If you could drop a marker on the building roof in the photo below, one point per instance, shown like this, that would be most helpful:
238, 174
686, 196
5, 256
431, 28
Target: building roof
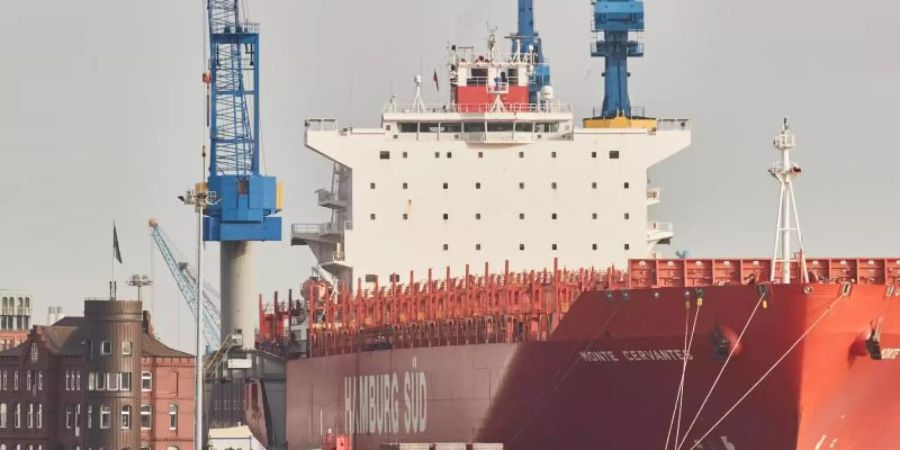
66, 338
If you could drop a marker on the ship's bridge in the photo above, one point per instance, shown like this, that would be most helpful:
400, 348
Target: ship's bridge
507, 124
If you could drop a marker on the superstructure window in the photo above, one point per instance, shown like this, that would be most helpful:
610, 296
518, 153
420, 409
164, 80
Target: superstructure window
627, 246
521, 246
446, 185
371, 185
446, 247
521, 185
521, 216
372, 216
594, 247
446, 216
480, 155
613, 154
449, 155
405, 185
553, 154
405, 155
477, 185
627, 185
627, 216
553, 185
553, 247
477, 247
409, 127
437, 155
405, 216
384, 154
496, 127
594, 216
473, 127
479, 77
477, 216
594, 185
593, 154
524, 127
521, 155
553, 216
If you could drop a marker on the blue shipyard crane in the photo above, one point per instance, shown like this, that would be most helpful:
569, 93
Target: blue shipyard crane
186, 278
246, 199
530, 40
615, 21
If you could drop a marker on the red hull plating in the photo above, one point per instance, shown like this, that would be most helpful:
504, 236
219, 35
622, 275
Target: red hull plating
609, 374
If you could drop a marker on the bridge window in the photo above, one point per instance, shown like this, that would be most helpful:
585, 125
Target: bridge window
524, 127
451, 127
384, 154
613, 154
409, 127
473, 127
430, 127
500, 127
549, 127
477, 247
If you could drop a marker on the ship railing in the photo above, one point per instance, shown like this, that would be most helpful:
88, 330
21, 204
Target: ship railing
468, 55
673, 124
635, 112
321, 124
660, 227
473, 108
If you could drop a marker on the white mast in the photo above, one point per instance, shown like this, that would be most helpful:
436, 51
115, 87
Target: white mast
785, 171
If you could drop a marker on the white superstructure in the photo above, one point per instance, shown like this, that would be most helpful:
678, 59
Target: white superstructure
440, 186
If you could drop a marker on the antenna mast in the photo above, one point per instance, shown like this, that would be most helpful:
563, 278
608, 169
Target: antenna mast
785, 171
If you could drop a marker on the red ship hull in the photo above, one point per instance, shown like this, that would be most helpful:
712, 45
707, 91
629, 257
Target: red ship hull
609, 375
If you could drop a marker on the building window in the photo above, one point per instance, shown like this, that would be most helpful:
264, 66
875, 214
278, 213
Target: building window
30, 421
126, 417
126, 348
105, 417
40, 415
17, 419
384, 155
77, 380
92, 381
28, 379
68, 380
173, 417
4, 379
146, 417
146, 381
126, 382
68, 416
40, 380
613, 154
90, 416
2, 415
77, 415
101, 381
105, 348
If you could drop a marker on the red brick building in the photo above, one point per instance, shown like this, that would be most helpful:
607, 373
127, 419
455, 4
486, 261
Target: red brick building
98, 382
15, 317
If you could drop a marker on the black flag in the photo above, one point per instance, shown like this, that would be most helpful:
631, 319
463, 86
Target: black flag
116, 253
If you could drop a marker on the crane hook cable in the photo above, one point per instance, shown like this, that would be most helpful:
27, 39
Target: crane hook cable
768, 372
680, 391
686, 357
715, 383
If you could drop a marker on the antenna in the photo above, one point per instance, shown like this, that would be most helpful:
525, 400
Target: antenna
785, 171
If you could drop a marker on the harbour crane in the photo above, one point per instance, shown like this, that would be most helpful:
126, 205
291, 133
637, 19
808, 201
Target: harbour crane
185, 277
530, 40
246, 200
616, 22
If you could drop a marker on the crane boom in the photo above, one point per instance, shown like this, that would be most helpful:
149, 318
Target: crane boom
186, 279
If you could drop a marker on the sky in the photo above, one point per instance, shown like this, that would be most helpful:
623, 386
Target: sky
102, 120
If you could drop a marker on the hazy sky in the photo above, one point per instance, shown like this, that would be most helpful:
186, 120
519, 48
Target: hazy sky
101, 119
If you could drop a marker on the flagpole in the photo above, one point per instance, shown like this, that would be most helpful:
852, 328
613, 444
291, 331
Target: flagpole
112, 276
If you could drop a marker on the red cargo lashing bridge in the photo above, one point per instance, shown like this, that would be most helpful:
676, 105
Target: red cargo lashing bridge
527, 306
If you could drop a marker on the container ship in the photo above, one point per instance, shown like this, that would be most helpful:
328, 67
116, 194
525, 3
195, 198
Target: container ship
490, 278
